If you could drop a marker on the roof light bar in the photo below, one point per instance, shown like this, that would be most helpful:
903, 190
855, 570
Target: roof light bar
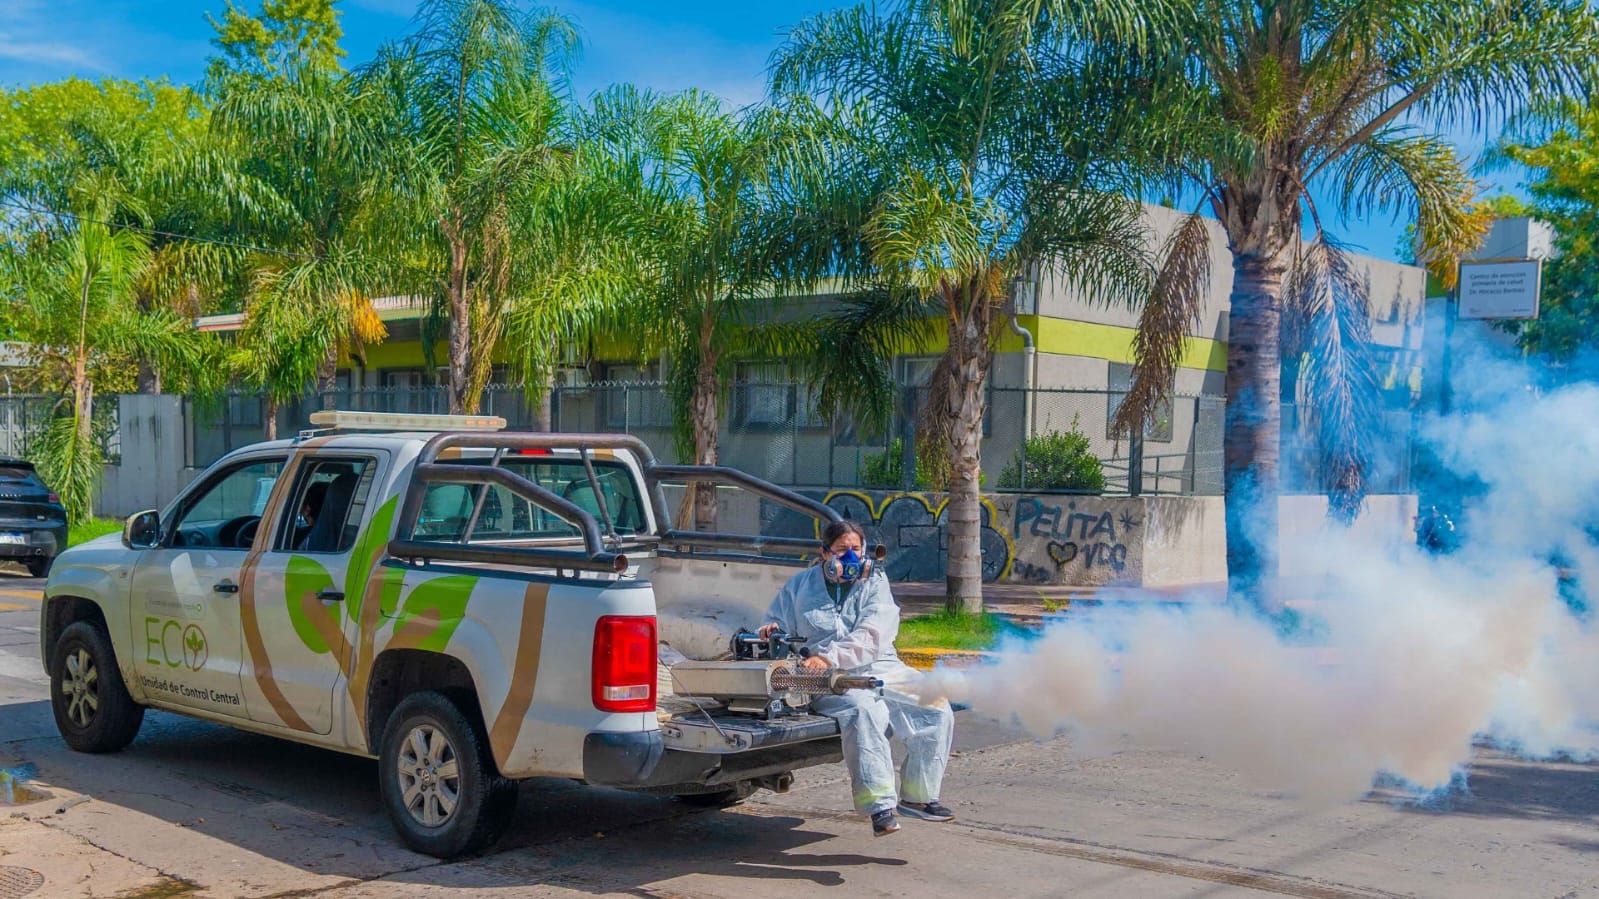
402, 421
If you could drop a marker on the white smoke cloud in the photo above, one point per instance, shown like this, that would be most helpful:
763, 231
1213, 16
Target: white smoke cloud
1412, 657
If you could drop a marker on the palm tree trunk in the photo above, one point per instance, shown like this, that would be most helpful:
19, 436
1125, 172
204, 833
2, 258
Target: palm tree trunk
1251, 443
705, 428
970, 355
148, 380
327, 374
460, 334
271, 417
542, 419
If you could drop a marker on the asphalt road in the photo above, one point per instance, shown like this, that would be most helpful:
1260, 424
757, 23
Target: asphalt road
199, 809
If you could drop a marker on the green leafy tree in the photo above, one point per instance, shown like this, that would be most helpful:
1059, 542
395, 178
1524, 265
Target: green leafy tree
1565, 192
144, 147
473, 124
93, 173
1252, 105
973, 150
283, 37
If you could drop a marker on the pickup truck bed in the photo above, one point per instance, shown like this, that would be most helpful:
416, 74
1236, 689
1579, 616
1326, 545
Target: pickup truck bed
708, 745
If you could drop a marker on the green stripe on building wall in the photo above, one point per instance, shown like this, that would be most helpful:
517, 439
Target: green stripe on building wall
1057, 336
1066, 337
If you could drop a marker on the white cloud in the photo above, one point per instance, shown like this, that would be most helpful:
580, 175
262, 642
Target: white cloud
52, 53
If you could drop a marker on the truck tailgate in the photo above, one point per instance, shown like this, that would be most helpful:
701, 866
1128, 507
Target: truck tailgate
697, 725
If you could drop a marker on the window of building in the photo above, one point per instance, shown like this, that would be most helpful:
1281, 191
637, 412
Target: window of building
1158, 428
404, 377
632, 397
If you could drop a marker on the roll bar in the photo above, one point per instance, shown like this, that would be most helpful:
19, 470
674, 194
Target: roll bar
594, 556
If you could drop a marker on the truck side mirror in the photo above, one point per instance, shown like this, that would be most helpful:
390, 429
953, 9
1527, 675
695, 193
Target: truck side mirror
142, 530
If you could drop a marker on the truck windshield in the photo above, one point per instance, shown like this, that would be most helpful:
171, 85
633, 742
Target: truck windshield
446, 508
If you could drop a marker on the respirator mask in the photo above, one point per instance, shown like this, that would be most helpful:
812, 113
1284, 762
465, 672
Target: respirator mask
846, 567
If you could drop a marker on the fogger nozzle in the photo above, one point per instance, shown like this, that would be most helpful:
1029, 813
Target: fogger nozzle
818, 682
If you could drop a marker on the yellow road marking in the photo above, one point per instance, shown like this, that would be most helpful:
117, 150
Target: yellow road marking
24, 595
8, 607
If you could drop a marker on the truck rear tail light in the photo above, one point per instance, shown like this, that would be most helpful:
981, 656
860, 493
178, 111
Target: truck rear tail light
624, 663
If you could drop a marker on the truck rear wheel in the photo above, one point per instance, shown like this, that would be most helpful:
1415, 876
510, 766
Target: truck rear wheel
93, 710
438, 779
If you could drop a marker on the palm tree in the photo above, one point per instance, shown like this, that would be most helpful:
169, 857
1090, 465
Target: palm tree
94, 284
694, 191
977, 152
75, 282
328, 238
1253, 105
472, 124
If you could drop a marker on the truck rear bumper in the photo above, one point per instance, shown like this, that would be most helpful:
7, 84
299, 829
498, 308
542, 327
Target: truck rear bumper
641, 761
619, 760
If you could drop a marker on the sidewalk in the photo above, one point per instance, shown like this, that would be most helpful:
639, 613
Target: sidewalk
1031, 603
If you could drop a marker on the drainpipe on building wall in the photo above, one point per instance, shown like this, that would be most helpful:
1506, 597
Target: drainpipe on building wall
1029, 375
1024, 301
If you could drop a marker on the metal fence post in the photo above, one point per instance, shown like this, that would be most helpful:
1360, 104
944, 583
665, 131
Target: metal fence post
907, 433
1135, 463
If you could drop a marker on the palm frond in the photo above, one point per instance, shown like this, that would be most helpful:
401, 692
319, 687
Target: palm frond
1171, 312
1340, 378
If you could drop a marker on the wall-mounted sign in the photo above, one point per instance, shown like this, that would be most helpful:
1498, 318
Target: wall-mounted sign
1500, 290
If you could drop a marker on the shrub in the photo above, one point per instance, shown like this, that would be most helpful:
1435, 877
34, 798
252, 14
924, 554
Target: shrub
887, 468
1055, 461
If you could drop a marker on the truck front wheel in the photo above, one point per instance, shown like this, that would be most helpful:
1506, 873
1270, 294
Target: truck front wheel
438, 779
93, 710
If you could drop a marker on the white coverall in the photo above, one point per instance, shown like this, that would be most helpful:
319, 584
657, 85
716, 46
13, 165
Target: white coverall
857, 634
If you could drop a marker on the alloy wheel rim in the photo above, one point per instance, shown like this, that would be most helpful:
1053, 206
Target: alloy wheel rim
81, 688
429, 775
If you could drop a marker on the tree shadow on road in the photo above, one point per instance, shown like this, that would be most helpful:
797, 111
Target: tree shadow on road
1498, 786
318, 811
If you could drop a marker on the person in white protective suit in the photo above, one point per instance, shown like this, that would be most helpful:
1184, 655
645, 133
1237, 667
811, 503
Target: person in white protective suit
846, 610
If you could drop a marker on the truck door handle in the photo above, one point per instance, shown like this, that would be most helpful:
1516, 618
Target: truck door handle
225, 587
330, 596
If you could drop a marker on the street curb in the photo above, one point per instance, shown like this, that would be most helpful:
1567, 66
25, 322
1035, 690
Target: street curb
924, 659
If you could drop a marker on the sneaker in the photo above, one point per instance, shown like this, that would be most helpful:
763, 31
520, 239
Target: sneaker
884, 823
927, 811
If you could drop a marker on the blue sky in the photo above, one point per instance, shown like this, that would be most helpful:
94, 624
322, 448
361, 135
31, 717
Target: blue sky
717, 45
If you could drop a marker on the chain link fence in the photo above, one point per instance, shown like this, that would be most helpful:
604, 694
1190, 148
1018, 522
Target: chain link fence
774, 431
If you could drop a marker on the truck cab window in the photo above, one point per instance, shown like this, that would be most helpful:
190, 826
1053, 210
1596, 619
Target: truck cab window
324, 513
227, 511
446, 508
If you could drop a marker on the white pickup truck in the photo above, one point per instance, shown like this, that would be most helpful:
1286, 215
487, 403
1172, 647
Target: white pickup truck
469, 607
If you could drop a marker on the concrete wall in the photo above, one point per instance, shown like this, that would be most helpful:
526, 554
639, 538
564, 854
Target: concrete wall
1080, 540
1056, 539
153, 452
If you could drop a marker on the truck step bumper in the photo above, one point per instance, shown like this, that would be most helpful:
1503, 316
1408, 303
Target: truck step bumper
641, 761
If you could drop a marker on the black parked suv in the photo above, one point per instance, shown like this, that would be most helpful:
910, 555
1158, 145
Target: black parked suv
33, 526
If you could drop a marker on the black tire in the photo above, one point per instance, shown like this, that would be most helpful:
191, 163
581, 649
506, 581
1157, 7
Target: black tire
39, 567
440, 809
93, 710
721, 798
